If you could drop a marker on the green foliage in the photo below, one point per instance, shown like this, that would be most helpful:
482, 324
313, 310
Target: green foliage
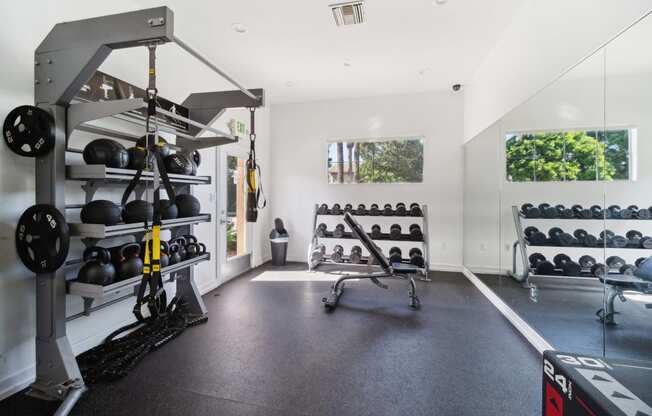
231, 239
568, 156
391, 161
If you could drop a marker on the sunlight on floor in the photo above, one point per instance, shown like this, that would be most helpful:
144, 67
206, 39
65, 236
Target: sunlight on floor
297, 276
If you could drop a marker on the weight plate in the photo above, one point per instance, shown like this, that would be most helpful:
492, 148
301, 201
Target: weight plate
580, 234
627, 269
626, 214
530, 230
610, 234
615, 262
42, 238
571, 268
29, 131
535, 259
646, 242
633, 234
537, 239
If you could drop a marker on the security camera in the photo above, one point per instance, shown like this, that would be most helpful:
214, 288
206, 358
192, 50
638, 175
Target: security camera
457, 87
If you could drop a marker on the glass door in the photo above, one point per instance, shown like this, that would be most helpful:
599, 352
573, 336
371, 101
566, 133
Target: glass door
234, 232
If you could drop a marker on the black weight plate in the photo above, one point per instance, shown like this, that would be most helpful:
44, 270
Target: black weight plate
610, 234
634, 234
626, 214
587, 261
543, 206
549, 212
567, 213
560, 259
525, 208
529, 230
29, 131
596, 211
615, 262
535, 259
533, 212
585, 214
580, 234
415, 250
554, 232
576, 208
42, 238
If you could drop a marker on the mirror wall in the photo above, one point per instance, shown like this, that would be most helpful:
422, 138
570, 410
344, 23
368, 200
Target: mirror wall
538, 187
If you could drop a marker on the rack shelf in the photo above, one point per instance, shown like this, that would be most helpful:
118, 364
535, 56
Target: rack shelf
371, 216
103, 173
100, 231
598, 247
91, 291
582, 219
384, 237
363, 262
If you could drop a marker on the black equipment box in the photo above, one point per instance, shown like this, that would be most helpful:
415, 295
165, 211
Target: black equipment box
579, 385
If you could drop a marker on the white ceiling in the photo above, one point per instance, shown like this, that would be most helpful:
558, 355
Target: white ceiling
297, 42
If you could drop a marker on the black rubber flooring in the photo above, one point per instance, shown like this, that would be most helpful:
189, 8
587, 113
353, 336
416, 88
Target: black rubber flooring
269, 348
564, 314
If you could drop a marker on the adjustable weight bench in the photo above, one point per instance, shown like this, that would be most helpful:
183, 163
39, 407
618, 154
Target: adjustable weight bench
389, 270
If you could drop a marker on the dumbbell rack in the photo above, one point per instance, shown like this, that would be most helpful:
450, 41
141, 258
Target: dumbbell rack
521, 244
314, 241
69, 86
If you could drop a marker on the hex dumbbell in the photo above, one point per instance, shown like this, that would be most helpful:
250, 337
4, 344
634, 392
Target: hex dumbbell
362, 210
416, 257
387, 210
395, 232
415, 232
401, 210
321, 230
356, 255
323, 209
376, 233
395, 255
336, 209
338, 254
339, 231
415, 210
374, 210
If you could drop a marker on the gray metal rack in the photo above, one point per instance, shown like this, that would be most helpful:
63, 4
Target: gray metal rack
314, 242
65, 62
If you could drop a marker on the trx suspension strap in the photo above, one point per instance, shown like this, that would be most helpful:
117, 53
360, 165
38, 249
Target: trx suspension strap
254, 194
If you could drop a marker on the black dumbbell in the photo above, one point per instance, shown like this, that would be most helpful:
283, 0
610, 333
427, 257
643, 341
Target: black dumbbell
395, 255
567, 240
568, 266
415, 210
560, 259
565, 212
416, 257
640, 261
634, 237
554, 234
415, 232
339, 231
644, 214
336, 209
646, 242
374, 210
530, 211
362, 210
387, 210
629, 212
321, 230
586, 262
338, 254
401, 210
606, 236
548, 211
545, 268
535, 259
618, 241
395, 232
598, 270
596, 212
534, 236
615, 262
356, 255
376, 233
348, 208
627, 269
317, 253
323, 209
613, 212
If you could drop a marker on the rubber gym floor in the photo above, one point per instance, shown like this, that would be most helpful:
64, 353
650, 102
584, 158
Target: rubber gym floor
269, 348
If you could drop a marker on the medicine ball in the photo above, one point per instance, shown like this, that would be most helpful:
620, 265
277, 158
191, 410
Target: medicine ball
178, 163
169, 210
138, 211
106, 152
161, 146
188, 205
100, 212
137, 158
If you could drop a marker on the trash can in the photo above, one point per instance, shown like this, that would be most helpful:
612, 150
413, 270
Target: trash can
279, 240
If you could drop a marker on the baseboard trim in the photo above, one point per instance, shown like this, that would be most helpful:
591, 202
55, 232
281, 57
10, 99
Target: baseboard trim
485, 270
531, 335
17, 382
443, 267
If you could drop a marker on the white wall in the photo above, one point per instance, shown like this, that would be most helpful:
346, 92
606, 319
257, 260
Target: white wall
300, 133
21, 33
544, 39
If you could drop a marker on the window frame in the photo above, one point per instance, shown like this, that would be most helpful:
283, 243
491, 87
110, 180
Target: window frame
421, 137
632, 144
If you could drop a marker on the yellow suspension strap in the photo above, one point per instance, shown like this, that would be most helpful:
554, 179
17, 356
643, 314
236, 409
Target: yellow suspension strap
254, 193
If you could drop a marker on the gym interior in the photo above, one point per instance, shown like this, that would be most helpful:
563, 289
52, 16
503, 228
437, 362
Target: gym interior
433, 207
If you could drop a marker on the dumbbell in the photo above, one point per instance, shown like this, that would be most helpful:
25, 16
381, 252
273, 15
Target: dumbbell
568, 266
606, 236
373, 210
646, 242
634, 238
541, 265
586, 262
395, 232
598, 270
348, 208
415, 210
644, 214
356, 255
615, 262
534, 236
567, 240
530, 211
336, 209
618, 241
564, 212
548, 211
535, 259
376, 233
339, 231
401, 211
629, 212
596, 212
323, 209
395, 255
581, 212
362, 210
338, 254
416, 257
415, 232
387, 210
584, 238
554, 234
613, 212
639, 261
321, 230
627, 269
317, 253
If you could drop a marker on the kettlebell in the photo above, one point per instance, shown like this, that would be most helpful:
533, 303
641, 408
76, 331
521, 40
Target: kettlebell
174, 253
130, 263
181, 242
191, 246
97, 268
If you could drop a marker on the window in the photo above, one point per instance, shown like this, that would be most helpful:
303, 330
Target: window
395, 160
578, 155
236, 225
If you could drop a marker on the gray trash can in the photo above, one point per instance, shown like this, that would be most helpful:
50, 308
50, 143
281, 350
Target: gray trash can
279, 239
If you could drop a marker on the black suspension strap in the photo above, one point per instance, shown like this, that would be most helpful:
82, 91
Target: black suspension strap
256, 199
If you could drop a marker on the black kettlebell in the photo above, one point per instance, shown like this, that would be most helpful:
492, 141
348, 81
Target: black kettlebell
181, 242
175, 257
130, 263
192, 248
97, 269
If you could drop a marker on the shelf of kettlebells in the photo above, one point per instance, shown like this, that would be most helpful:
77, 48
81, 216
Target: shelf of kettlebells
117, 175
94, 291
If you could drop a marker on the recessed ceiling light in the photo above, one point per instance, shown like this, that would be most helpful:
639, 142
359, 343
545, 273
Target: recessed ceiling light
347, 64
239, 27
439, 2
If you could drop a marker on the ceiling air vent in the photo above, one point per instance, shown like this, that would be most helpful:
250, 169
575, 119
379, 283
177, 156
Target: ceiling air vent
350, 13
